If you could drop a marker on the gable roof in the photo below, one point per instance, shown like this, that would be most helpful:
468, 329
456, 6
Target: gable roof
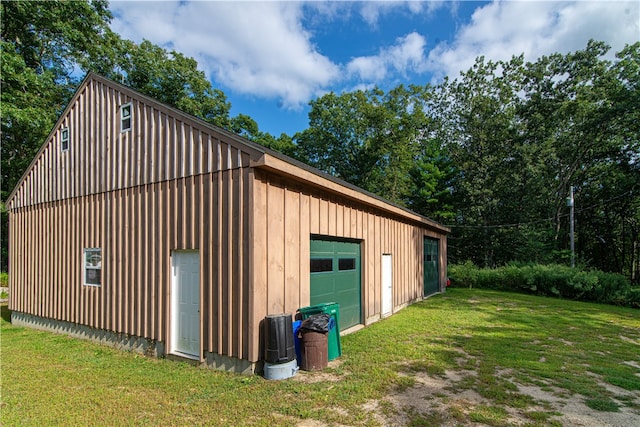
261, 157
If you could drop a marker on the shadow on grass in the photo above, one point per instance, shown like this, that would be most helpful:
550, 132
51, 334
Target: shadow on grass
5, 313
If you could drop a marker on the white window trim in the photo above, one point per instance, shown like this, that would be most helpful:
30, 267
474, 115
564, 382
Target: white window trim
63, 139
128, 105
85, 267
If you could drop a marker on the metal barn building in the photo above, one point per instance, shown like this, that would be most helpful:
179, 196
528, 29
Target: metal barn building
143, 227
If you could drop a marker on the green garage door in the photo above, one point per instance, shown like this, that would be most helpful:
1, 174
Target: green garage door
335, 277
431, 276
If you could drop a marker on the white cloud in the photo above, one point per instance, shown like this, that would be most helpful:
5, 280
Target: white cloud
371, 11
255, 48
407, 55
368, 68
502, 29
263, 50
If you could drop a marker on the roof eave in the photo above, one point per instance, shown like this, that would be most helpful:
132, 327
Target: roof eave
310, 176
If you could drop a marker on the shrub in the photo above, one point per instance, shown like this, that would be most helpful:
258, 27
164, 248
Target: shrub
549, 280
4, 280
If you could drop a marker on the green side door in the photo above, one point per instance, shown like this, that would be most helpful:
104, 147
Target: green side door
431, 276
335, 277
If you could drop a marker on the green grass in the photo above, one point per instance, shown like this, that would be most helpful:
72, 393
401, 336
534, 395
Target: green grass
491, 339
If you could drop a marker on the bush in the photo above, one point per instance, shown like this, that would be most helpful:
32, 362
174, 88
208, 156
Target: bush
4, 280
549, 280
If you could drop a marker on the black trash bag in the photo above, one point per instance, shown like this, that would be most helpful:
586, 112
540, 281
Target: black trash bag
317, 323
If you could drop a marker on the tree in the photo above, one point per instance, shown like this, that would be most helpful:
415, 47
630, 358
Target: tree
369, 138
42, 43
481, 136
171, 78
520, 134
433, 177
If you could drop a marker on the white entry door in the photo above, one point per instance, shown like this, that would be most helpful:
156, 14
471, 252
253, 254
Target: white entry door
387, 285
185, 303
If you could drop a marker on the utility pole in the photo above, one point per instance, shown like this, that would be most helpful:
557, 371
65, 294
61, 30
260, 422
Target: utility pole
571, 237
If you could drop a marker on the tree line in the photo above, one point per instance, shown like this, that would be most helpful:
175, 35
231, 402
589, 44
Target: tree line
491, 154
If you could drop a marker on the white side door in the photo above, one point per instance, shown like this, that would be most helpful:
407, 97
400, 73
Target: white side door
387, 285
185, 303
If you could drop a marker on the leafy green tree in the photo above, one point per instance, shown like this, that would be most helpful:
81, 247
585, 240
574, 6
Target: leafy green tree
339, 138
520, 134
42, 43
581, 109
610, 190
481, 137
433, 175
369, 138
172, 78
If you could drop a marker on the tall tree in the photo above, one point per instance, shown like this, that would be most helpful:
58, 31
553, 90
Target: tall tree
172, 78
41, 45
520, 134
481, 136
369, 138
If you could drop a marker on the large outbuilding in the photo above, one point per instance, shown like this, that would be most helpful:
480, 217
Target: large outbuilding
146, 228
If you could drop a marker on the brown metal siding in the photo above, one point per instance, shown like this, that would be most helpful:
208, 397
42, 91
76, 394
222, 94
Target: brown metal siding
169, 183
137, 228
286, 214
160, 147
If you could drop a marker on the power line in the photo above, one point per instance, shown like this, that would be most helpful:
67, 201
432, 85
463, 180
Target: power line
538, 221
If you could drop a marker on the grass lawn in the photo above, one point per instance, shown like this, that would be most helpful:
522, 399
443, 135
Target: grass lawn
491, 344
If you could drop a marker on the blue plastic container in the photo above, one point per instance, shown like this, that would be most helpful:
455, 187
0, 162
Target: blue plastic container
296, 340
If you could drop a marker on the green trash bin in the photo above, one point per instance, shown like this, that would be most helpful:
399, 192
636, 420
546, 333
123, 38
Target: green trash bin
333, 338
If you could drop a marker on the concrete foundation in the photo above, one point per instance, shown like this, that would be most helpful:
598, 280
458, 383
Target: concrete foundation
120, 341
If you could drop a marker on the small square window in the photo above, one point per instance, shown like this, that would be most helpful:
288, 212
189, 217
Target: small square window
64, 139
125, 117
93, 266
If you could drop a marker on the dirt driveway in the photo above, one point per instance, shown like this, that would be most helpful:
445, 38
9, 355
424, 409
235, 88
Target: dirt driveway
437, 401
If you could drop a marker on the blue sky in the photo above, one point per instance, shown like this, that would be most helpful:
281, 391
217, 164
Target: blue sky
271, 58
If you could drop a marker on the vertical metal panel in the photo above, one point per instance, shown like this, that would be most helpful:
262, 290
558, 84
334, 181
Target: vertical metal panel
324, 217
236, 257
371, 262
275, 249
375, 283
164, 272
331, 213
340, 220
144, 227
101, 157
218, 309
304, 249
314, 215
245, 237
225, 265
258, 280
292, 243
